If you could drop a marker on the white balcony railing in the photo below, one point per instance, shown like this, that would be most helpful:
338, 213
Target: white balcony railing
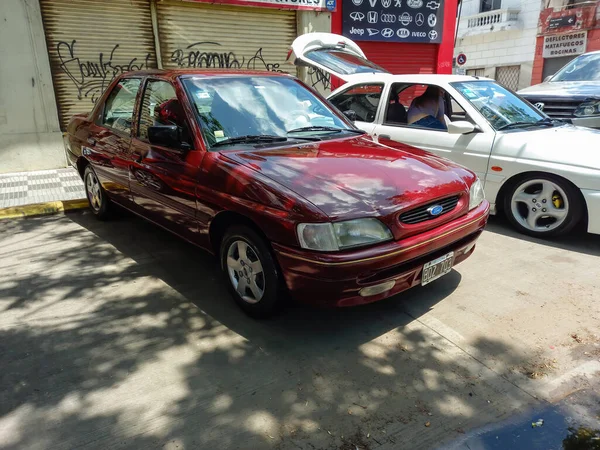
497, 20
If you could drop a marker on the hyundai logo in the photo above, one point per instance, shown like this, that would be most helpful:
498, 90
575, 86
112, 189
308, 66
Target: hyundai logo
435, 210
539, 106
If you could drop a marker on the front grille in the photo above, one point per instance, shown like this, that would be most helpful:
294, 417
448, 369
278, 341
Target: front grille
421, 214
557, 109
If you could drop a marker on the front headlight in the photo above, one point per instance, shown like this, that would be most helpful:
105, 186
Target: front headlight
588, 108
476, 195
342, 235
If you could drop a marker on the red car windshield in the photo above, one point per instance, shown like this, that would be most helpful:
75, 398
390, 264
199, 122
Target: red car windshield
233, 107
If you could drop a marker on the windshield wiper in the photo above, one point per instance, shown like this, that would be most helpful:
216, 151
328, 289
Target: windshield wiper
323, 128
517, 124
547, 121
250, 139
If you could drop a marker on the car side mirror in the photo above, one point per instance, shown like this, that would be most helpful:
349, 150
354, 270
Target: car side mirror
350, 114
460, 127
166, 136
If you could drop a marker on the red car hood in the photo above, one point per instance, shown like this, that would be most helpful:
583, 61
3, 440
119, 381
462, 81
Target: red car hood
356, 177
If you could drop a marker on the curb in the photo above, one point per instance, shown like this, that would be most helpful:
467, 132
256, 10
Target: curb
42, 209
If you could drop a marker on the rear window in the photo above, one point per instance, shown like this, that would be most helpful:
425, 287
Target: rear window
343, 63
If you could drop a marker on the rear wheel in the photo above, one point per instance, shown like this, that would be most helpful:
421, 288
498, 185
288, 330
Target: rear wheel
543, 205
96, 195
250, 272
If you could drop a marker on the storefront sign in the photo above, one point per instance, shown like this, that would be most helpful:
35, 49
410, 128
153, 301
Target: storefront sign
323, 5
564, 44
393, 20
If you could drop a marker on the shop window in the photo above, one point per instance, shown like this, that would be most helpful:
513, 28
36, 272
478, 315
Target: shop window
363, 99
476, 72
508, 76
489, 5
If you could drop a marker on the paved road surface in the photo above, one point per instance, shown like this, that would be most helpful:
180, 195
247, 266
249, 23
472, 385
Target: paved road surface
119, 335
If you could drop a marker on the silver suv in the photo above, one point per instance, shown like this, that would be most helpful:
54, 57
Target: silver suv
572, 94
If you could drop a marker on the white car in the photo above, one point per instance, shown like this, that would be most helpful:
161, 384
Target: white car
542, 173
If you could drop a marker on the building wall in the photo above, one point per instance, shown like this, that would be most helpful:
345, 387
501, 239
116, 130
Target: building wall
590, 23
501, 48
314, 22
30, 136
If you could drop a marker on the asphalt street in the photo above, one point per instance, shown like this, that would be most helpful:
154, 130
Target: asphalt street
120, 335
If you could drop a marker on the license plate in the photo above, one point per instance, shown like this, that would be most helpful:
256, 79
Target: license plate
437, 268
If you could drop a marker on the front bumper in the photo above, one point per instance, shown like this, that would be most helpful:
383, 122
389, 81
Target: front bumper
335, 279
590, 122
592, 201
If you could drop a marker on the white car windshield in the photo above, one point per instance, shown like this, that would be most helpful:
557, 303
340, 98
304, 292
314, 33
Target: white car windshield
583, 68
499, 106
247, 110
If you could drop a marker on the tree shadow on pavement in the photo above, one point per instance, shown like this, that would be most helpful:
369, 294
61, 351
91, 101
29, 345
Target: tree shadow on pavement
120, 335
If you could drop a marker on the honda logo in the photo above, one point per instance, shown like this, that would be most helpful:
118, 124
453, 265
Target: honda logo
539, 106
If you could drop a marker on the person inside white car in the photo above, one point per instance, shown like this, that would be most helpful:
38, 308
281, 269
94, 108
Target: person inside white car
427, 110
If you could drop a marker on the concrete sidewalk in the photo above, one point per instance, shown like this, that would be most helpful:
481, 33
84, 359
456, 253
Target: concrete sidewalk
40, 192
119, 335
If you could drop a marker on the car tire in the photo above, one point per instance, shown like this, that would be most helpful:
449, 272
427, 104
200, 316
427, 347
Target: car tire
543, 205
96, 195
251, 272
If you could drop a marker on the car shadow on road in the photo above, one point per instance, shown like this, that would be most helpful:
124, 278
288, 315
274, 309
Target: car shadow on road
122, 335
577, 241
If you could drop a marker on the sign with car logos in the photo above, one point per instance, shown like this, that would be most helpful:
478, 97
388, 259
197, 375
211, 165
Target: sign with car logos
393, 20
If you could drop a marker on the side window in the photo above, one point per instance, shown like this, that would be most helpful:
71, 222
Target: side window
456, 112
363, 99
418, 106
160, 106
119, 106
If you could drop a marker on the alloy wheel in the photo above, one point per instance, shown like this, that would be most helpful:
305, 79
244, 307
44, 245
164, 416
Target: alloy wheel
245, 271
540, 205
93, 190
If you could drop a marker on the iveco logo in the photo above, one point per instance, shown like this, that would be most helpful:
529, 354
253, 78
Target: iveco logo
539, 106
435, 210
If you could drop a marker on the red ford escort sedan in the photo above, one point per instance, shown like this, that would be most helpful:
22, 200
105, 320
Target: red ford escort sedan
259, 169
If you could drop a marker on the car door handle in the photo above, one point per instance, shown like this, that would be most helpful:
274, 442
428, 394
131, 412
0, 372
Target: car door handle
385, 136
91, 141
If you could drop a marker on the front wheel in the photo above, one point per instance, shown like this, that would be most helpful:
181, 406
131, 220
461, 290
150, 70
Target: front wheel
543, 205
250, 272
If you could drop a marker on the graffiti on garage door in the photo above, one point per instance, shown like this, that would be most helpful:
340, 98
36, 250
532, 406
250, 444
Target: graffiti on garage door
209, 55
93, 75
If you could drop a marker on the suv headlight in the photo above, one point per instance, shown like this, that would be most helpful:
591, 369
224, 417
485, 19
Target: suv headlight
588, 108
341, 235
476, 195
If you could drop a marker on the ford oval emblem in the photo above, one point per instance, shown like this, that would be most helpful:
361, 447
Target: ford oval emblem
435, 210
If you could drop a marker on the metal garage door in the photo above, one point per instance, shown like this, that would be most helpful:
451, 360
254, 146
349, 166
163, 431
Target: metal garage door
217, 36
89, 43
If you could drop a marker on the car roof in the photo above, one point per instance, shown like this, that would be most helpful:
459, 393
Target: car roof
415, 78
171, 74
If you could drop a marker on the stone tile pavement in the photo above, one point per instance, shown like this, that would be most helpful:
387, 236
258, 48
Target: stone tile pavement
25, 188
